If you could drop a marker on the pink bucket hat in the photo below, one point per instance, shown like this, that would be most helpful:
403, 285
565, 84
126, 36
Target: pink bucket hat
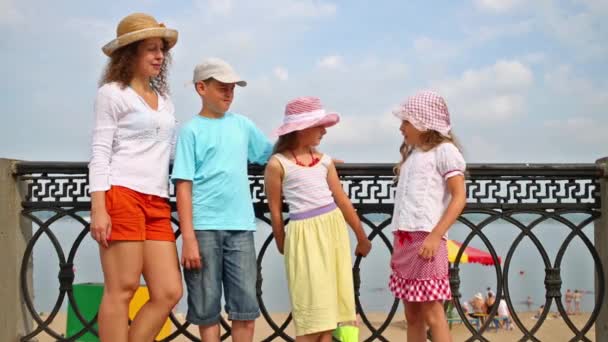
426, 110
305, 112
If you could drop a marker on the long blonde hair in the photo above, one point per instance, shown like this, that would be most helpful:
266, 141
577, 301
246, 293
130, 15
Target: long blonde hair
428, 141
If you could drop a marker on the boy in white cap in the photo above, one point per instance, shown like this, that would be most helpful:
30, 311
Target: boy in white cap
214, 205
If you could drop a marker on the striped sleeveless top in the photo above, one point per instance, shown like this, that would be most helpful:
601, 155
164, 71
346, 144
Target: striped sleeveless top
305, 187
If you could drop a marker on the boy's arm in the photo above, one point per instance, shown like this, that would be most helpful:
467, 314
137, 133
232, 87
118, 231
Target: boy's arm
191, 258
350, 215
259, 146
273, 179
183, 173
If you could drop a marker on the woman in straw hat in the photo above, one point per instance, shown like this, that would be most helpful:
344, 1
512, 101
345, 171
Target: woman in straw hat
128, 178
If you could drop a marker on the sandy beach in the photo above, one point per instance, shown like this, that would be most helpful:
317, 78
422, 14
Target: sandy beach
553, 329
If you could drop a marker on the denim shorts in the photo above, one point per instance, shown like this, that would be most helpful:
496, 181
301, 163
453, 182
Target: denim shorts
228, 260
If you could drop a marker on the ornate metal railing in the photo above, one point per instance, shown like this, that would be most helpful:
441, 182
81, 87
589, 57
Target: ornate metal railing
499, 191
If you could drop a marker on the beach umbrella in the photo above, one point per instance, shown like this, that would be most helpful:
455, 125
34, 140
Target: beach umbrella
470, 254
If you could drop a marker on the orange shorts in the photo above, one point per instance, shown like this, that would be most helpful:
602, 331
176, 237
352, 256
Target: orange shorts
138, 217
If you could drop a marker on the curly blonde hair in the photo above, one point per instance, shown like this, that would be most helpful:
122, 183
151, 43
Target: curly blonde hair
428, 141
120, 68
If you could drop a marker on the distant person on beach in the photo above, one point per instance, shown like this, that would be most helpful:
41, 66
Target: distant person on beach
214, 203
577, 297
133, 139
430, 196
529, 302
504, 315
490, 292
569, 297
490, 300
539, 312
466, 307
478, 304
315, 242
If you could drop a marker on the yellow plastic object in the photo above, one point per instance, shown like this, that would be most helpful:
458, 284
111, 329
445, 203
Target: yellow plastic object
346, 333
139, 299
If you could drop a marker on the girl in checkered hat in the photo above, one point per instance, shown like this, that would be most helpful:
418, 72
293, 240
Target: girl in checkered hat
429, 198
316, 243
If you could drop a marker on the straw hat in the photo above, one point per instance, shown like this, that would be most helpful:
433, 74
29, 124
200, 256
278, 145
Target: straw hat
139, 26
305, 112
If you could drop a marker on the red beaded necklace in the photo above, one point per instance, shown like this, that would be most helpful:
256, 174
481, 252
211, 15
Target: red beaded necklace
314, 159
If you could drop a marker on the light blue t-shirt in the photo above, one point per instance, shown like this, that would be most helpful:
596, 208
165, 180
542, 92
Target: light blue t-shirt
213, 154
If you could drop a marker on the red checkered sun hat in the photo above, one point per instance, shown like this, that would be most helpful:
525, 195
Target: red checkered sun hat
305, 112
426, 110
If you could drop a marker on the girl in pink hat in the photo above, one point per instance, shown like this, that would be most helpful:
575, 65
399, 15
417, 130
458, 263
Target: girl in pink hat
315, 244
429, 198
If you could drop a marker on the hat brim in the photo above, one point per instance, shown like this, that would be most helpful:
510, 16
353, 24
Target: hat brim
406, 116
169, 35
231, 79
328, 120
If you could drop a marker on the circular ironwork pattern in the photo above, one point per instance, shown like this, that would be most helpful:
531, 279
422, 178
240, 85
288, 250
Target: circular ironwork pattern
500, 192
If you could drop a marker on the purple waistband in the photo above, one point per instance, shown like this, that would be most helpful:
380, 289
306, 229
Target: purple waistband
313, 212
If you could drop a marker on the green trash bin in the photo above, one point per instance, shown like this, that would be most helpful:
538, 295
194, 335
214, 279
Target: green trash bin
88, 298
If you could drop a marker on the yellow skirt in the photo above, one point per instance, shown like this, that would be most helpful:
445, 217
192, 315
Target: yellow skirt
319, 272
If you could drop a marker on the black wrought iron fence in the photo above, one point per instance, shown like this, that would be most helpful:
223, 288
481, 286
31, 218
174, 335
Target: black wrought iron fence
498, 192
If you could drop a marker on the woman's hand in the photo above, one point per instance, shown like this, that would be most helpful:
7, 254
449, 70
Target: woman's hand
101, 226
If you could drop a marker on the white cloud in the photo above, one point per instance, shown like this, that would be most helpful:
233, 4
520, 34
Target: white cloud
492, 93
268, 9
305, 8
534, 57
585, 130
427, 48
331, 62
478, 148
482, 34
502, 76
588, 96
599, 7
430, 49
9, 14
257, 37
365, 129
582, 31
220, 7
373, 135
424, 43
91, 30
281, 73
580, 28
498, 6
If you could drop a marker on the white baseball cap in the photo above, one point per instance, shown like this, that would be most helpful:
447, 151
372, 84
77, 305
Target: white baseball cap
217, 69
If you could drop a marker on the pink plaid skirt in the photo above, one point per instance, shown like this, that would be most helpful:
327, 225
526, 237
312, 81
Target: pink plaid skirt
413, 278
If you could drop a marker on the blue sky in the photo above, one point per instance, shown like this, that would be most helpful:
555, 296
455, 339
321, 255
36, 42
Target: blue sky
526, 81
